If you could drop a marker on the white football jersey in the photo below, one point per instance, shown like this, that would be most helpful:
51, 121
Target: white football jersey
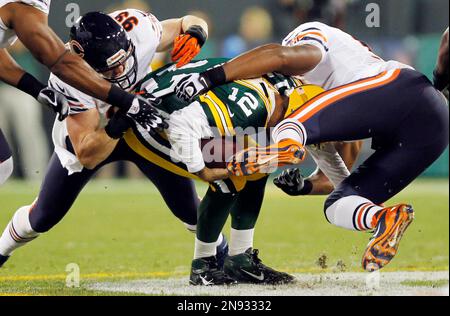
146, 35
8, 36
344, 58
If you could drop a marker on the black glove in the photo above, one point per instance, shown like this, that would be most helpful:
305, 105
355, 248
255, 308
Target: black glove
199, 83
118, 125
56, 101
146, 115
291, 182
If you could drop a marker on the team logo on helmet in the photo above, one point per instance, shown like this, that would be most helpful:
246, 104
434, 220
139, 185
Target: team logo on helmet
117, 58
77, 48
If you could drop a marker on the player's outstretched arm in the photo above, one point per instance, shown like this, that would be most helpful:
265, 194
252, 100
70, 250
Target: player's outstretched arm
349, 152
31, 26
296, 60
293, 183
10, 71
13, 74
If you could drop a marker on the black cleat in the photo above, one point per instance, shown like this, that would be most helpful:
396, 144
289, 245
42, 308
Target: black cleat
222, 252
3, 259
248, 268
206, 272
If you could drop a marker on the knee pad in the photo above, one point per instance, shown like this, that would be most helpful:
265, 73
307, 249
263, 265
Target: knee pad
6, 170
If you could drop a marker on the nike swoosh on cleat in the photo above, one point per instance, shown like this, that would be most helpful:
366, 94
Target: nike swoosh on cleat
205, 282
266, 160
377, 231
257, 277
393, 241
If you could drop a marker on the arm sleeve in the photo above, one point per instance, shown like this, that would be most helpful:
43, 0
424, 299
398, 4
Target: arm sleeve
330, 162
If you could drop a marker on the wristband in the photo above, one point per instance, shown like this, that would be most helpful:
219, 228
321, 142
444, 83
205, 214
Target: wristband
216, 76
199, 33
120, 98
30, 85
307, 188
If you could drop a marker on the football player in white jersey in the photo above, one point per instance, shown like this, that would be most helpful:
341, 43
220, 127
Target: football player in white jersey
366, 98
120, 46
27, 20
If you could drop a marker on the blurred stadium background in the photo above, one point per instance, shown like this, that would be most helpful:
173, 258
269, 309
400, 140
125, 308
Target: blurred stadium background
410, 32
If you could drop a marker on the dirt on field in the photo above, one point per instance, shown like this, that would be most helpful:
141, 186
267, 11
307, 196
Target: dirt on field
332, 284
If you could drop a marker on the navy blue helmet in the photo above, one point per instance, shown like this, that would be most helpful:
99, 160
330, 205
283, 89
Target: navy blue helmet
105, 45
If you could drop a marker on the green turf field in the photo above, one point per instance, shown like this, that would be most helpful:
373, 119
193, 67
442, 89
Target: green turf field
120, 230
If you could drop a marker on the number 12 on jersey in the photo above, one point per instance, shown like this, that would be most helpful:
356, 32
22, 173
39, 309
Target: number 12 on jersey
247, 102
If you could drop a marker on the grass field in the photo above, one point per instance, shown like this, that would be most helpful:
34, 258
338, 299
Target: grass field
120, 231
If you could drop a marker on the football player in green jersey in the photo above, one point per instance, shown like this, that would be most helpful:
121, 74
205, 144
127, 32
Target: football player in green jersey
236, 110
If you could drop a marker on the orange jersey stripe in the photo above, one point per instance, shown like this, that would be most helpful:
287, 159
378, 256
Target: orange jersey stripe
299, 37
316, 106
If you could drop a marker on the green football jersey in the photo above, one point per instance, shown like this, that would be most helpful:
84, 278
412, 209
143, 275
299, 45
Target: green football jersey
231, 108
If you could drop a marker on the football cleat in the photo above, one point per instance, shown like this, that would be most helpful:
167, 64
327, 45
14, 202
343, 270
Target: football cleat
3, 259
390, 225
266, 159
206, 272
248, 268
222, 252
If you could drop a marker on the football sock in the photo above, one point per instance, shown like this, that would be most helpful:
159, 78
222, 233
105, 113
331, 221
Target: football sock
244, 215
204, 249
352, 212
289, 129
18, 232
240, 241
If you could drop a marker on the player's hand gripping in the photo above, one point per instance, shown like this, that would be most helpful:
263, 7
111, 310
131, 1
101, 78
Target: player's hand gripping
199, 83
188, 45
56, 101
191, 86
143, 112
290, 181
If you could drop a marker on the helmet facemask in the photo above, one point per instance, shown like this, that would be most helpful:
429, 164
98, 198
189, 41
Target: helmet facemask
129, 76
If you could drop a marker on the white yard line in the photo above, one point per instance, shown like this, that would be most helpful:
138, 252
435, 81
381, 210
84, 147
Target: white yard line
333, 284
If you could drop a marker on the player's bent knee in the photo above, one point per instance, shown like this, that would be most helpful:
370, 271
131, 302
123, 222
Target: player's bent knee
332, 198
6, 170
41, 225
41, 221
